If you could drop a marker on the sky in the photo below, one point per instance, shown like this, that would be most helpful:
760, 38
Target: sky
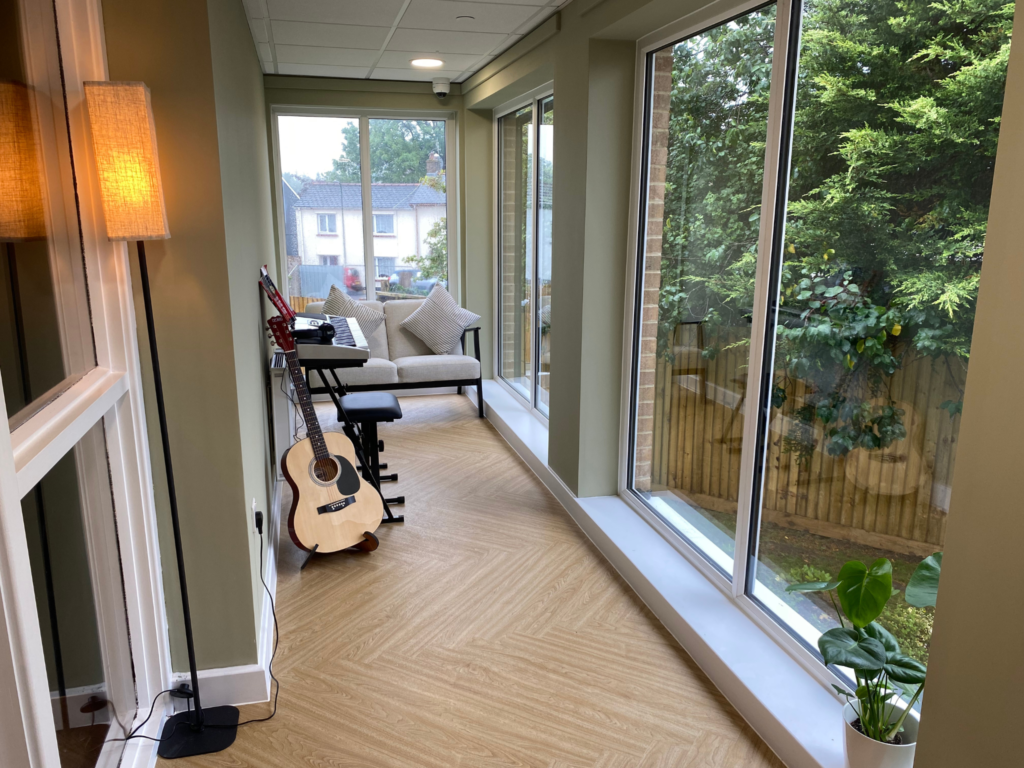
309, 144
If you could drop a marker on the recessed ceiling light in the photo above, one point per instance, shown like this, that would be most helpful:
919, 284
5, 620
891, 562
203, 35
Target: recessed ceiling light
427, 63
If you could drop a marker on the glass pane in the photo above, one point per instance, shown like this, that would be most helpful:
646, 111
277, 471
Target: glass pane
546, 159
46, 343
515, 248
90, 674
410, 233
894, 147
707, 113
321, 195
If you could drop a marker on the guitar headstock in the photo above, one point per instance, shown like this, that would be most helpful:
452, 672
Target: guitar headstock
275, 295
282, 333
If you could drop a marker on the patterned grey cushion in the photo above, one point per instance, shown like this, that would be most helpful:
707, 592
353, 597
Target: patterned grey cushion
439, 321
340, 304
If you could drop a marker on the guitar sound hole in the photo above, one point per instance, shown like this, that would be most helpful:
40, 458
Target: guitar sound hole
326, 470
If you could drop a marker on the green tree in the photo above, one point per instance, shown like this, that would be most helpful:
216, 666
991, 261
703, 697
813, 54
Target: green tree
398, 151
435, 262
896, 125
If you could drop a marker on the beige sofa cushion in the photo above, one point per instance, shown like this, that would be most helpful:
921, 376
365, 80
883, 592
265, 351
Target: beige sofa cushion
437, 368
378, 340
403, 343
375, 371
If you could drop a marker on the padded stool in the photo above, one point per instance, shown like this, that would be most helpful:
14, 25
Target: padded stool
367, 409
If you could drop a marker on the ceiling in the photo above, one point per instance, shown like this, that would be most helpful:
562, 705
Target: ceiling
377, 39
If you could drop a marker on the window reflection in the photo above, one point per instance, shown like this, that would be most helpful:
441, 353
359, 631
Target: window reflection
45, 343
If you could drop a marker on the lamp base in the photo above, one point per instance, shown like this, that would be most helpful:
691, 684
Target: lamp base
181, 739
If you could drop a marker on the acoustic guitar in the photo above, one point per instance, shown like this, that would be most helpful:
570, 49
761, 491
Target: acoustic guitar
332, 508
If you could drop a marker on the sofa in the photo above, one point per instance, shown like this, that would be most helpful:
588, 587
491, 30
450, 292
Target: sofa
400, 360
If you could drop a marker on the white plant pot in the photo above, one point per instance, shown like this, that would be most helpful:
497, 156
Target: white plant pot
862, 752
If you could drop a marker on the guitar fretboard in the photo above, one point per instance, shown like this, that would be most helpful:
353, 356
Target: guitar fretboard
305, 400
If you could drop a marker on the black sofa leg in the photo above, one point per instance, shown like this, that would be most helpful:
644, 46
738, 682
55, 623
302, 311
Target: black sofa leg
460, 389
480, 396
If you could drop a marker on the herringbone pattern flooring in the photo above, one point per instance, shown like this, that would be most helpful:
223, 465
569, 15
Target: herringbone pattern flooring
485, 631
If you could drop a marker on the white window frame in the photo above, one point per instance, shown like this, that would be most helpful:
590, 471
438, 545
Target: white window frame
323, 223
451, 129
380, 233
735, 588
531, 99
111, 394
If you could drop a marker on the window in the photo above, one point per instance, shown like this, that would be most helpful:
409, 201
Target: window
525, 175
812, 268
326, 164
329, 260
327, 223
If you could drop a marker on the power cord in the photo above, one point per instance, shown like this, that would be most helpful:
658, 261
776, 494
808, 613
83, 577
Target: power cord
184, 692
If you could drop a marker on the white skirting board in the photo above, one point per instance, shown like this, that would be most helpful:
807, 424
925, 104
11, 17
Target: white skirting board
248, 683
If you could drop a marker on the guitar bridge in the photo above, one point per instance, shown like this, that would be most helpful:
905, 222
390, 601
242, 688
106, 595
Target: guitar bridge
334, 506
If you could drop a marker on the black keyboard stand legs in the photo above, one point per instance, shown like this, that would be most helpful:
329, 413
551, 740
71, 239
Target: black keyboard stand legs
372, 447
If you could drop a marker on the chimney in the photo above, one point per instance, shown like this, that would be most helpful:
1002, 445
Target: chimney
434, 165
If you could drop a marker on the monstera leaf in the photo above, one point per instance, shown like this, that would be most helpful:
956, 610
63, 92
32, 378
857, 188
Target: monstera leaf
863, 591
923, 587
882, 635
813, 586
853, 649
904, 669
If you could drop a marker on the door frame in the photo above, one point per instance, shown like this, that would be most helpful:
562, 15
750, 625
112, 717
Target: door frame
109, 395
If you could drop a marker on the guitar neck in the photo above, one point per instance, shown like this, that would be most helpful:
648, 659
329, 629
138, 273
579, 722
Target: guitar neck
305, 400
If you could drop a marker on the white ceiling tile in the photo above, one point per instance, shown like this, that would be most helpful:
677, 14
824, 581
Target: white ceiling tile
321, 70
256, 9
417, 75
401, 59
379, 13
447, 42
328, 35
486, 17
258, 27
337, 57
534, 3
265, 52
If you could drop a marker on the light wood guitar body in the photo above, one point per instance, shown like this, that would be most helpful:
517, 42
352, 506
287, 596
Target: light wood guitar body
311, 520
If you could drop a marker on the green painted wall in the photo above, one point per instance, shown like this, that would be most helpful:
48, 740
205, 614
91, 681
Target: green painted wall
205, 93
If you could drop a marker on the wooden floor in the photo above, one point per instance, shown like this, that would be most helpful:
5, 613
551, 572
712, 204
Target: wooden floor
485, 631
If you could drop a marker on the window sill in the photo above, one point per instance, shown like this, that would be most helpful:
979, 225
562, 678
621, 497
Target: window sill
384, 234
788, 707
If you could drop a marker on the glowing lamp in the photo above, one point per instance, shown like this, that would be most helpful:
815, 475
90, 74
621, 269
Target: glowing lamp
21, 194
124, 143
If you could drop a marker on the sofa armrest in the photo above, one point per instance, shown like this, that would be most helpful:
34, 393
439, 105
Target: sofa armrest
476, 341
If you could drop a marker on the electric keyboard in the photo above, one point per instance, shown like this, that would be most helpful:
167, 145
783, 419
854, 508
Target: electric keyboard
349, 344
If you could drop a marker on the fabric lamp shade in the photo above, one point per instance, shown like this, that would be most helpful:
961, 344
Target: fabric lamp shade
21, 193
124, 142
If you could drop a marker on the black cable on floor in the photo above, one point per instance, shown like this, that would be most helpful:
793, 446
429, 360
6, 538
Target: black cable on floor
134, 734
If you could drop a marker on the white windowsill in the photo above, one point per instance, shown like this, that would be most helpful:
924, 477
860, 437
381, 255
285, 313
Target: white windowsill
788, 707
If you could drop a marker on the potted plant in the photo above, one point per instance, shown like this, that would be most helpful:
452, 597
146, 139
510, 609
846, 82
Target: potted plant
878, 732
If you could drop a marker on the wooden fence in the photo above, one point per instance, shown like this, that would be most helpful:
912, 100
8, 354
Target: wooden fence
894, 499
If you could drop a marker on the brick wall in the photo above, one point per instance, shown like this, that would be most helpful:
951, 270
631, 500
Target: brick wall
660, 103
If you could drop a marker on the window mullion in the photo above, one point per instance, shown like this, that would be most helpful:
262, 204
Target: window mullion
365, 179
535, 288
765, 310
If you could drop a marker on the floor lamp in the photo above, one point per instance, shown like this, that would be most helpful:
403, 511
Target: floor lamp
124, 142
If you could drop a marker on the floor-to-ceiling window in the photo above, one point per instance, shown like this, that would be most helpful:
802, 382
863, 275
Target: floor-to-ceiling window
391, 242
525, 146
813, 207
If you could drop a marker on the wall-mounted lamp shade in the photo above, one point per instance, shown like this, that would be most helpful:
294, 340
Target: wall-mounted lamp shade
21, 193
124, 142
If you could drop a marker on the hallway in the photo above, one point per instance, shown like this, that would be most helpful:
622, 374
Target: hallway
485, 631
